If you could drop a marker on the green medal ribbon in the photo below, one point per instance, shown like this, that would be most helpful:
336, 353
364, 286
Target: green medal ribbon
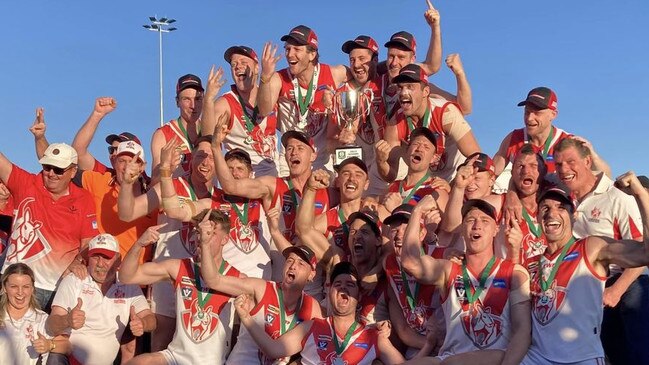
282, 320
343, 221
243, 216
536, 230
294, 196
548, 142
303, 103
197, 274
340, 347
184, 132
248, 119
414, 188
425, 123
545, 284
483, 280
410, 298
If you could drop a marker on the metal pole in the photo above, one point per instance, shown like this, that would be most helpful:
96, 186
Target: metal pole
161, 96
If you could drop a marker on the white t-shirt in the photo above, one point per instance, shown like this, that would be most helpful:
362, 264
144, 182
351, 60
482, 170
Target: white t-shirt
107, 316
16, 336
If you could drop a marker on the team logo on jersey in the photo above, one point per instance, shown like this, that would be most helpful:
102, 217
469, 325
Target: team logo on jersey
339, 237
481, 326
547, 304
27, 243
418, 316
594, 215
189, 238
186, 293
460, 292
264, 145
244, 236
270, 319
322, 345
315, 123
533, 246
199, 323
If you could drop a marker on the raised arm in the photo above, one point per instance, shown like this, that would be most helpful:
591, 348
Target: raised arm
521, 318
288, 344
453, 216
464, 96
214, 109
433, 60
103, 107
305, 220
130, 207
406, 334
270, 82
131, 272
38, 130
457, 128
5, 168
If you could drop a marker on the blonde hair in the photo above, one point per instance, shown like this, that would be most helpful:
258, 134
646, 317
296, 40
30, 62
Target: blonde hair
20, 269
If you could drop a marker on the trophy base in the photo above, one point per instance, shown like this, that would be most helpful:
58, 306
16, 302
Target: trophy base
343, 153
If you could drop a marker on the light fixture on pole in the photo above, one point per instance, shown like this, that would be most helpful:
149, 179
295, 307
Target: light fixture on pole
161, 26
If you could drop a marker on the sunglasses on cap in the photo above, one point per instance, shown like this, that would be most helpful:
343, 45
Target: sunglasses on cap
56, 170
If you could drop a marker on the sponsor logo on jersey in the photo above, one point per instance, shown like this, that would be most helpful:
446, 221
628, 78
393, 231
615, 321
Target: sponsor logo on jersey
571, 256
270, 318
362, 345
273, 309
318, 205
499, 283
594, 215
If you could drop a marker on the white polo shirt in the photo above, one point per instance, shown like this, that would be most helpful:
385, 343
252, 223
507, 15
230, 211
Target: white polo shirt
16, 336
107, 316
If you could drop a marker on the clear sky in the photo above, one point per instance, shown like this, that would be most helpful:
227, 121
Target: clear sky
63, 54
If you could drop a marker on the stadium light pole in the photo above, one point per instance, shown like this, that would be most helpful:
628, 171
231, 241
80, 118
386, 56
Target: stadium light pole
161, 26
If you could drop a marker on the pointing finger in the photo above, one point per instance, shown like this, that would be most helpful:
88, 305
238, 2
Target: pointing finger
430, 5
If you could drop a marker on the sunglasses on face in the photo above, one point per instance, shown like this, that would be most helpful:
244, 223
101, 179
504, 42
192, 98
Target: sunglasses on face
56, 170
112, 149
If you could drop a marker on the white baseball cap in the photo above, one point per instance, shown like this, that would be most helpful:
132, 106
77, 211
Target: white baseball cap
59, 155
103, 244
130, 148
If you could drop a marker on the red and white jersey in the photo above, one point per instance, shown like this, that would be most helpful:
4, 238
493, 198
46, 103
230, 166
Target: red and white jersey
426, 297
318, 347
519, 138
570, 311
408, 195
42, 234
533, 243
287, 199
389, 96
450, 156
373, 307
260, 142
202, 331
174, 129
337, 229
314, 122
245, 250
267, 314
484, 325
16, 336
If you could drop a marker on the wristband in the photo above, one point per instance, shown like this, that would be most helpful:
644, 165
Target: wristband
165, 172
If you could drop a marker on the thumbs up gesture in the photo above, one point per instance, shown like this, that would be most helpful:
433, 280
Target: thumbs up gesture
41, 344
76, 316
136, 324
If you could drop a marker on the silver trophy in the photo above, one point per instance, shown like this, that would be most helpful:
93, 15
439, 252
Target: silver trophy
349, 105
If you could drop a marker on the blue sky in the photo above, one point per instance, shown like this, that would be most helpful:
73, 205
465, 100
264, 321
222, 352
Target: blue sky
63, 54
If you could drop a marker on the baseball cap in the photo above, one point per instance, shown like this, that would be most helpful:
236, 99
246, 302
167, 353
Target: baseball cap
122, 137
130, 148
479, 204
300, 136
189, 81
423, 131
483, 163
369, 218
402, 40
362, 41
304, 252
411, 73
238, 153
242, 50
303, 36
542, 98
59, 155
400, 213
344, 267
103, 244
352, 160
557, 190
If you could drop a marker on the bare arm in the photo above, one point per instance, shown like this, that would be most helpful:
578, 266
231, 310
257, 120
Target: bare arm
433, 60
58, 321
305, 220
103, 106
271, 83
5, 168
407, 335
457, 128
131, 272
130, 207
520, 318
500, 158
464, 96
213, 109
281, 243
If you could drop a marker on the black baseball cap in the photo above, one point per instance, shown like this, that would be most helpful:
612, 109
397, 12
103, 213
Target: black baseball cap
354, 161
557, 190
482, 163
362, 41
189, 81
344, 267
423, 131
122, 137
402, 40
481, 205
411, 73
242, 50
300, 136
303, 36
401, 213
238, 153
542, 98
304, 252
369, 218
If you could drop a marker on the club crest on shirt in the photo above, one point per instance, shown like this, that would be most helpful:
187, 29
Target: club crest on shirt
244, 236
262, 144
481, 326
27, 243
199, 323
547, 304
594, 215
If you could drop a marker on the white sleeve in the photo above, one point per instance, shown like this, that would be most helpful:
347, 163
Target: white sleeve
136, 298
67, 292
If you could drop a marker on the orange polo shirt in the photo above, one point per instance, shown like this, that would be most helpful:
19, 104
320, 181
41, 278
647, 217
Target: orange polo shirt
104, 189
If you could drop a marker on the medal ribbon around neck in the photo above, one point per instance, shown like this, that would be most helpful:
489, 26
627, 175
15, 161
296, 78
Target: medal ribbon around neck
282, 317
303, 103
425, 121
545, 284
534, 228
414, 188
249, 120
295, 198
343, 221
197, 274
481, 284
340, 347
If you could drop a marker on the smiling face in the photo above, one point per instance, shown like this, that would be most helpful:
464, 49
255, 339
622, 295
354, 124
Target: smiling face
298, 57
363, 243
421, 152
244, 71
479, 231
19, 289
119, 164
352, 182
203, 162
58, 184
362, 64
481, 185
297, 272
343, 295
538, 121
102, 269
527, 174
413, 98
555, 217
573, 169
397, 59
299, 157
190, 103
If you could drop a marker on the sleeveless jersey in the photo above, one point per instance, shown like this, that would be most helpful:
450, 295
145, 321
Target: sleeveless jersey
373, 307
567, 318
315, 121
288, 199
260, 142
486, 323
172, 129
532, 245
318, 347
408, 195
246, 251
202, 331
337, 230
519, 138
267, 314
389, 96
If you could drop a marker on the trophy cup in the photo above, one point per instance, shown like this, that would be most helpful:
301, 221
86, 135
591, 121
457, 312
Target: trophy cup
349, 105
